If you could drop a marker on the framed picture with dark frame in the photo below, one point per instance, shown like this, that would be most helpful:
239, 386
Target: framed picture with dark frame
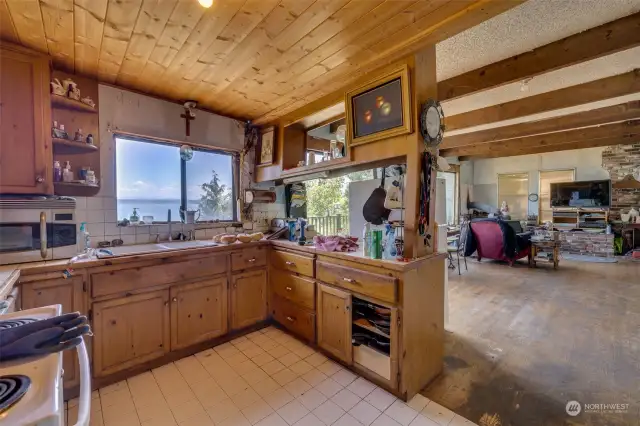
380, 109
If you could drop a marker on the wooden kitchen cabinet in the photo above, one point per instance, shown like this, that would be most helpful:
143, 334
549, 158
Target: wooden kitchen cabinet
25, 122
198, 312
129, 331
334, 322
248, 298
65, 292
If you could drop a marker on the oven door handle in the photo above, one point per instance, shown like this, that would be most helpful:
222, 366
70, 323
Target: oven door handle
84, 403
43, 235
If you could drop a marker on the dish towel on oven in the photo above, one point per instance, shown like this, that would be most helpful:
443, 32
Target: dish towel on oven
43, 337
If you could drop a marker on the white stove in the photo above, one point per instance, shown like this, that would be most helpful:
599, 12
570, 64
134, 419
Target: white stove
42, 403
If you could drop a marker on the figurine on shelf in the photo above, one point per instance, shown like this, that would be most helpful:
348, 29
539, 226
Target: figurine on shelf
58, 132
72, 89
57, 88
78, 136
89, 102
89, 139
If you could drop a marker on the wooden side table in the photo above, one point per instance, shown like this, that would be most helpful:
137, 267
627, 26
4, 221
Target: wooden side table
552, 246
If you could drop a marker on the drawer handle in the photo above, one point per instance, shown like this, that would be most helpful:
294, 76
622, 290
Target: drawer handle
290, 263
253, 259
291, 319
288, 288
349, 280
175, 299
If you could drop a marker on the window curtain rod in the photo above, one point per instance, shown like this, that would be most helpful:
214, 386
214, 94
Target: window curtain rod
172, 141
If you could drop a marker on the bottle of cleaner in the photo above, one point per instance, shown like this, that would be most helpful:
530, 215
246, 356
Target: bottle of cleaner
366, 239
57, 171
86, 238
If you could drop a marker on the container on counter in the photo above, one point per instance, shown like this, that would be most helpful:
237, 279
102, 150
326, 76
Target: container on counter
366, 239
376, 244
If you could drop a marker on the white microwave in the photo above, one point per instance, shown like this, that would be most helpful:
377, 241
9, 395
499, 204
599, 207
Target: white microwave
37, 228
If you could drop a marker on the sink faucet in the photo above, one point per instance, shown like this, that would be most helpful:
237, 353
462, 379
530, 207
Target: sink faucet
169, 220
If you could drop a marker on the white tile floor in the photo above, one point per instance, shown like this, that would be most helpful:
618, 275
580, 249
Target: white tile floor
266, 378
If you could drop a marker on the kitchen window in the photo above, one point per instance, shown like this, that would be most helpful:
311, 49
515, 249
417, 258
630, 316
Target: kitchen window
152, 178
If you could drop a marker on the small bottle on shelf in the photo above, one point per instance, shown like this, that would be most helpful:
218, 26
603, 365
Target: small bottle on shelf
67, 174
57, 171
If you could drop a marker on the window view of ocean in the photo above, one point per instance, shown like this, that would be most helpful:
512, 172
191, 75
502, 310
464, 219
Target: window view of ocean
158, 209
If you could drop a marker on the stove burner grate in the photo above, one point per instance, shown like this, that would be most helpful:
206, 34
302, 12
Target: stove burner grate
12, 323
12, 389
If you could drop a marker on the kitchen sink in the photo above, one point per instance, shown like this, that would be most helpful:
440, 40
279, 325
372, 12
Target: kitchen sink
174, 245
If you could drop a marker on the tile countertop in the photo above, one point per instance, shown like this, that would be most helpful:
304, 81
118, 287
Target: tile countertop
358, 256
58, 265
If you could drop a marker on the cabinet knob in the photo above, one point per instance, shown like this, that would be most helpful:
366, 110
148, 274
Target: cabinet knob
166, 303
290, 319
39, 179
253, 259
349, 280
288, 262
289, 289
175, 299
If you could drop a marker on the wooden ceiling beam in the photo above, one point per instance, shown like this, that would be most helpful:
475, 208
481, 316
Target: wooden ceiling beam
604, 40
550, 141
592, 143
593, 91
610, 114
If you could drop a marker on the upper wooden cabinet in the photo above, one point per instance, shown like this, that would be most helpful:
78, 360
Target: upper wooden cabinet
67, 293
334, 322
25, 122
248, 298
198, 312
129, 331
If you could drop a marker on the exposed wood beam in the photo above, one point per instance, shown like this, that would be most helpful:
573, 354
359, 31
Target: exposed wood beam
592, 143
598, 90
604, 40
532, 144
610, 114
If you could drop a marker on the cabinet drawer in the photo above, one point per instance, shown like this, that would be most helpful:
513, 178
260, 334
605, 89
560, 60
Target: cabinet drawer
293, 317
297, 289
123, 280
248, 258
292, 262
378, 286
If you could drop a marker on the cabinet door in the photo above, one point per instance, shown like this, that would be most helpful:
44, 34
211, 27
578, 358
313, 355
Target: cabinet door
198, 312
130, 331
67, 293
334, 322
248, 298
25, 120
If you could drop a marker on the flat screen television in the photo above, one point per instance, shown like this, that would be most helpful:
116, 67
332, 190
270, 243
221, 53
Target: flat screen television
587, 193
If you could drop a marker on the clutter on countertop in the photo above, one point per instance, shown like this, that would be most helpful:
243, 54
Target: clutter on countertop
336, 243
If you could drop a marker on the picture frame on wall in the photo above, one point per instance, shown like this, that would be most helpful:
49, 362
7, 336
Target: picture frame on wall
380, 109
266, 148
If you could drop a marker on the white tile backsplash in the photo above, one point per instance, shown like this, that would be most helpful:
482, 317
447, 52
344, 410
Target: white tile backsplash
95, 216
109, 203
95, 228
94, 203
111, 229
111, 216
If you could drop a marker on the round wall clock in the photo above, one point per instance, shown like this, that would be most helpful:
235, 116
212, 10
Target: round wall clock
432, 123
533, 197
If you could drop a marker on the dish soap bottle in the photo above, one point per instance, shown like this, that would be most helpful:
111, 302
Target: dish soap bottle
86, 238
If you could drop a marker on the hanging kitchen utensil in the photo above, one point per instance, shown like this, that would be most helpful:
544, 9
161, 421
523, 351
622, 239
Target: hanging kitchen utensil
374, 210
425, 197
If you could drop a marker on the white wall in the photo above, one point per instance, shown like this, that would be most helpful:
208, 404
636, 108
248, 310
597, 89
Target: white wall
587, 163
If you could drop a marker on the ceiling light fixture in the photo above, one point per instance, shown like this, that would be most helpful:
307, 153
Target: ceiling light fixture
205, 3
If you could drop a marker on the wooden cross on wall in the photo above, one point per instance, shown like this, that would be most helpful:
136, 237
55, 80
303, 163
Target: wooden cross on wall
188, 115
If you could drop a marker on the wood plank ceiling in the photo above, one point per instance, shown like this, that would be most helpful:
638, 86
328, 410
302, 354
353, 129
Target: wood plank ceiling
256, 59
